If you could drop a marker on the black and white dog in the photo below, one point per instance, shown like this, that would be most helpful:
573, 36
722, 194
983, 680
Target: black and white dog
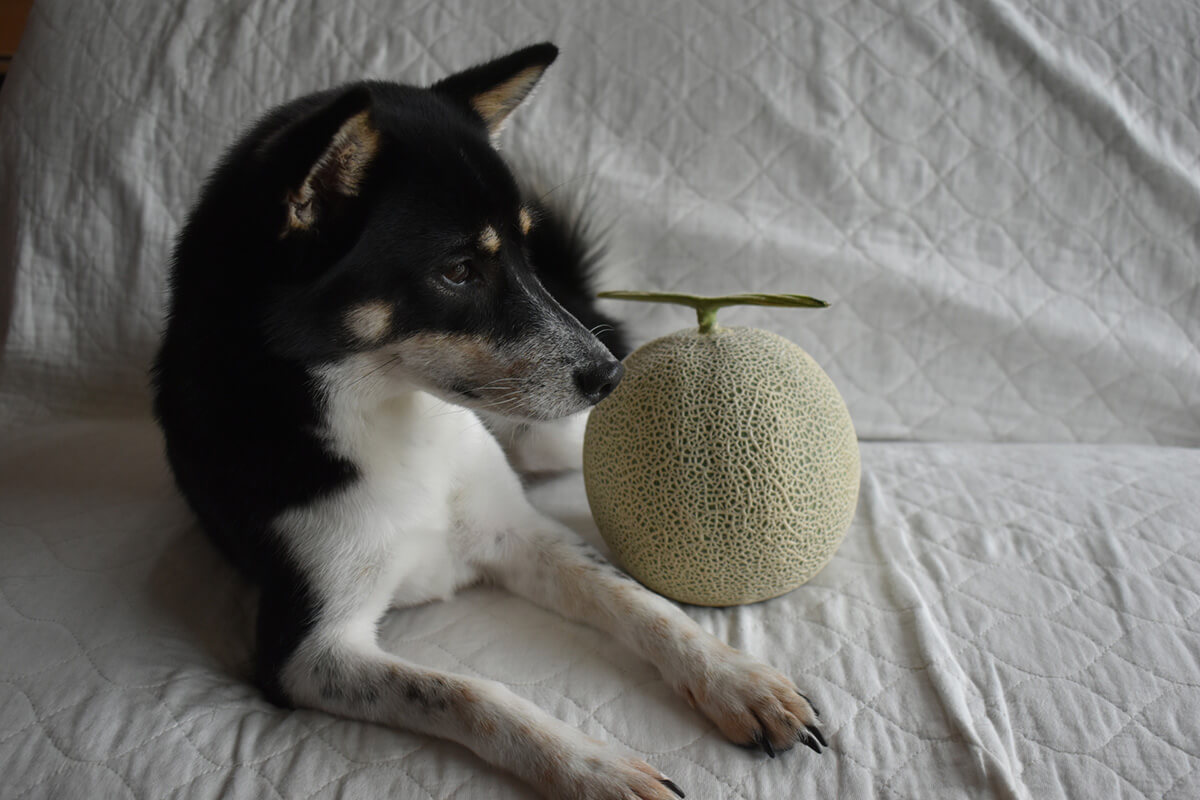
359, 282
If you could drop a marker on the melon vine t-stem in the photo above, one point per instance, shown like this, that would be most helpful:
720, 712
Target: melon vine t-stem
706, 307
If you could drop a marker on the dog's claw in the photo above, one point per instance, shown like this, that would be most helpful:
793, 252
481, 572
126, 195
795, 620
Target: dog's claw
810, 703
810, 743
670, 784
817, 733
762, 737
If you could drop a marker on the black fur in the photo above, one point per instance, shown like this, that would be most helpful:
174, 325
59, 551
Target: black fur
255, 306
565, 257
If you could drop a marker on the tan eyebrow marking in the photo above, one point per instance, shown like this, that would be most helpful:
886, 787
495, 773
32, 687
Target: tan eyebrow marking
525, 219
489, 240
371, 321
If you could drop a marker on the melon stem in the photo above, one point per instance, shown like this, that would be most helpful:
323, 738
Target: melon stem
706, 307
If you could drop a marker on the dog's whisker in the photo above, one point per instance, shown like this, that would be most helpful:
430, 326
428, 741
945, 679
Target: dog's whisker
579, 176
504, 401
389, 362
499, 382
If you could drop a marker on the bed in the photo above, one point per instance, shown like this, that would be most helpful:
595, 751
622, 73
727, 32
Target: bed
1000, 199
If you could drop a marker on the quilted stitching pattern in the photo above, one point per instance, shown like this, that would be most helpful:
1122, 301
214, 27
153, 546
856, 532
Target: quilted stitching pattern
1002, 621
1000, 197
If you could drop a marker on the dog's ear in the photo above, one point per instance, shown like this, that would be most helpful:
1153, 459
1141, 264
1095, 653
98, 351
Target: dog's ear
321, 158
493, 90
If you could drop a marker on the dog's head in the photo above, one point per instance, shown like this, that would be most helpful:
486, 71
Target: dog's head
396, 238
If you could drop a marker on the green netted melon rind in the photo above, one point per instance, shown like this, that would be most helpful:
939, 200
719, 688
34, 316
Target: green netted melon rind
724, 469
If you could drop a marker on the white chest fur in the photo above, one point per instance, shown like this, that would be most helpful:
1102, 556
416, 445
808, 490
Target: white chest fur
400, 534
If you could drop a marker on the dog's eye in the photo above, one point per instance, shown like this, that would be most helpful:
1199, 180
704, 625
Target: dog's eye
458, 274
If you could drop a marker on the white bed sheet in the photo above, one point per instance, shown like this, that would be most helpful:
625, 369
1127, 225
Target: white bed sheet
1003, 621
1001, 199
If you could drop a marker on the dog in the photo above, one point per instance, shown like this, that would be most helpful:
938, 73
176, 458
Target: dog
360, 285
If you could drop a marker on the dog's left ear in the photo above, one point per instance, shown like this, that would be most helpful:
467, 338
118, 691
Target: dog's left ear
320, 159
493, 90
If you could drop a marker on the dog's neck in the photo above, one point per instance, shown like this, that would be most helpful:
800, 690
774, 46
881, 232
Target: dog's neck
373, 414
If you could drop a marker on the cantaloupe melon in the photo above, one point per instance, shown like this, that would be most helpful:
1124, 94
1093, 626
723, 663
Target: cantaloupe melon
724, 468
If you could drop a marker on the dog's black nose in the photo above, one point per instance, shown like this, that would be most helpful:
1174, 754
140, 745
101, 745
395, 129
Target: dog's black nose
597, 380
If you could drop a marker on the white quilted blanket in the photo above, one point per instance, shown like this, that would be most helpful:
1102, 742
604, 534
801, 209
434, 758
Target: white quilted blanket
1003, 621
1000, 197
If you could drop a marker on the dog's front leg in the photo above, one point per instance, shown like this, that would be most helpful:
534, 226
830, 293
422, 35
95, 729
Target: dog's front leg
343, 674
752, 703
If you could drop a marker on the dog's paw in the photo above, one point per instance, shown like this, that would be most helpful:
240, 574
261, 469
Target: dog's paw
753, 704
601, 773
